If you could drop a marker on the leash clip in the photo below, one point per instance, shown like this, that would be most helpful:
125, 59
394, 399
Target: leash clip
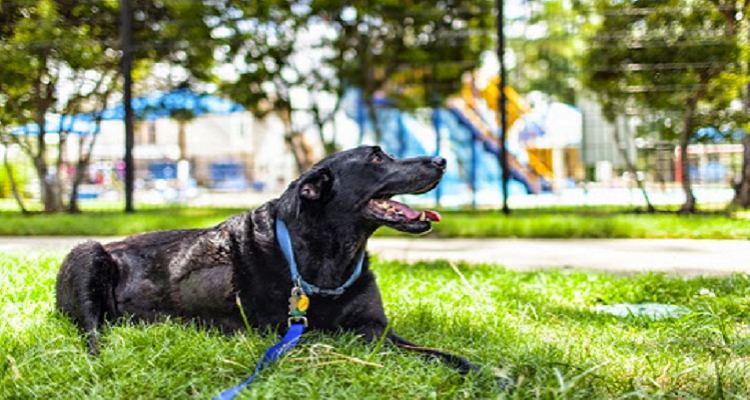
296, 319
298, 303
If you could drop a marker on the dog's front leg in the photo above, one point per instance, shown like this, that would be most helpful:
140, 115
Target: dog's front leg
375, 332
366, 316
461, 364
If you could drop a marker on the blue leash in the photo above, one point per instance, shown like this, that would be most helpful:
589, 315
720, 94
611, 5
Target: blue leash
297, 321
272, 355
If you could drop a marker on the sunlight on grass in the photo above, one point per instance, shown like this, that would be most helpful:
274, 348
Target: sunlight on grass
539, 327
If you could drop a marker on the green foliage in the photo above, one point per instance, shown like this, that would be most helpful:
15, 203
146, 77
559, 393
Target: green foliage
538, 327
656, 54
547, 63
415, 51
64, 58
294, 57
680, 65
261, 38
43, 40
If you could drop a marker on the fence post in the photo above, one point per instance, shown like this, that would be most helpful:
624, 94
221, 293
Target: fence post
126, 37
502, 100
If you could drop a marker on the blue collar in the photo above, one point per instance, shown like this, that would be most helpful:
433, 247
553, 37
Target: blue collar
282, 235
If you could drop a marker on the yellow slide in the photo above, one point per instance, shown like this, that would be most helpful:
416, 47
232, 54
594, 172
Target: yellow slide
516, 105
516, 108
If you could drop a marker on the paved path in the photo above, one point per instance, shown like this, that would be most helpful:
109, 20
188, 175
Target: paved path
677, 256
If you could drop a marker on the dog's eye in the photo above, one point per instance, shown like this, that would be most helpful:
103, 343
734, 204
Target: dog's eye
377, 159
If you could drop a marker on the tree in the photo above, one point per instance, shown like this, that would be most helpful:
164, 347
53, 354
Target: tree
61, 57
547, 59
415, 52
262, 39
666, 56
46, 46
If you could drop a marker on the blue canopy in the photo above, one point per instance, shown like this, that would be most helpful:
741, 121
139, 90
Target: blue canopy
710, 134
161, 105
80, 124
151, 107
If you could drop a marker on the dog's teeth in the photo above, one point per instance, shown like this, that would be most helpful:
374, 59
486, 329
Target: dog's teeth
422, 216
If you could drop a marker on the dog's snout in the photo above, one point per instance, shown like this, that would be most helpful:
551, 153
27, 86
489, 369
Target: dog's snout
439, 162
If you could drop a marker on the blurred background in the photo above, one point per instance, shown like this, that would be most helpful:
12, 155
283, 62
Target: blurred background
641, 104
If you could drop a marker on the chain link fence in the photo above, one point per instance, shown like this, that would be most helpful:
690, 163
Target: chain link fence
600, 164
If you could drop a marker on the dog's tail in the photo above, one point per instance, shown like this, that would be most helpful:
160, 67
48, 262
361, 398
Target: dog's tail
85, 289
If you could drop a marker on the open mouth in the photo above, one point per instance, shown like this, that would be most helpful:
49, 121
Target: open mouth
393, 211
401, 217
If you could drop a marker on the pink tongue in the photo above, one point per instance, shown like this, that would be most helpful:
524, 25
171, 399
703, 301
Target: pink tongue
412, 214
433, 215
408, 212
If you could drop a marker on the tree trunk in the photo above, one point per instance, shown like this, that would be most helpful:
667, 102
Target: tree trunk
329, 146
631, 168
49, 187
687, 130
742, 190
13, 186
302, 157
84, 158
373, 115
48, 184
289, 138
73, 200
182, 139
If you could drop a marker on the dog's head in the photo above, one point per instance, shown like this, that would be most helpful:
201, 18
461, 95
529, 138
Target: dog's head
356, 187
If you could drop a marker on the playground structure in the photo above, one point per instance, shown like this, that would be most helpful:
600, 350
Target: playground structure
466, 133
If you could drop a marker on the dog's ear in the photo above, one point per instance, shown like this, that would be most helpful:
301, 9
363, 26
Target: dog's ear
316, 184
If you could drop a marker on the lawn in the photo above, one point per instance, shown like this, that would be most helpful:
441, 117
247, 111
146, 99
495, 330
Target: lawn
537, 223
539, 327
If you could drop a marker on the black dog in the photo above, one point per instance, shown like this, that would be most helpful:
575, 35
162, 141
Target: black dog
203, 274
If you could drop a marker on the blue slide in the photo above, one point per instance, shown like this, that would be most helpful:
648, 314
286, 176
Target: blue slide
518, 168
473, 175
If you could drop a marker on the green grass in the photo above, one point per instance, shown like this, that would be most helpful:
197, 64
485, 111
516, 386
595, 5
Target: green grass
541, 223
111, 223
539, 327
590, 225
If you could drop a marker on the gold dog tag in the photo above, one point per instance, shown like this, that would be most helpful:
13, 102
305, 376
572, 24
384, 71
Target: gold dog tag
303, 302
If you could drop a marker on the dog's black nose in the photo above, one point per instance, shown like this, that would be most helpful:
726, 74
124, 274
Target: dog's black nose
439, 162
